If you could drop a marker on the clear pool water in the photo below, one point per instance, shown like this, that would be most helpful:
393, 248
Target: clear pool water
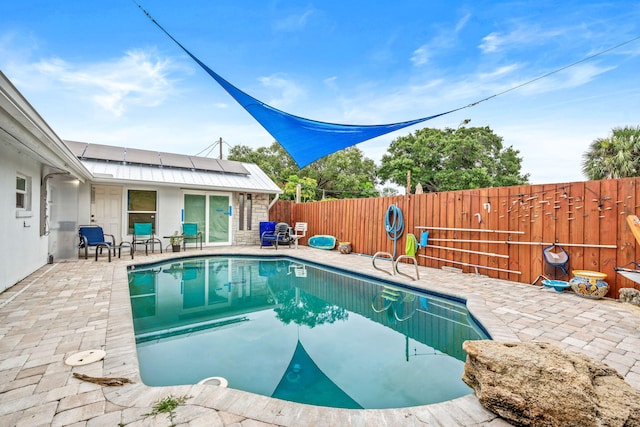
297, 331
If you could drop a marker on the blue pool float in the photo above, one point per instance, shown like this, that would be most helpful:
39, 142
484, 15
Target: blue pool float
322, 242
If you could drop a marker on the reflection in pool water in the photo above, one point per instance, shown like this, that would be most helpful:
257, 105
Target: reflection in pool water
299, 332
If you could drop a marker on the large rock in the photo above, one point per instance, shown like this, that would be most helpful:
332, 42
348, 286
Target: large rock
537, 384
630, 295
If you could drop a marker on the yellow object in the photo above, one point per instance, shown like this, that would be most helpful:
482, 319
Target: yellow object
411, 246
390, 294
588, 274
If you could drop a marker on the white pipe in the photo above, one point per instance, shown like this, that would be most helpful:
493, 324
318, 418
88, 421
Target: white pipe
468, 251
470, 229
509, 242
273, 202
471, 265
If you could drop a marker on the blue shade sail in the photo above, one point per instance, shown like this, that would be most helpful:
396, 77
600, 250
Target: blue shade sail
305, 140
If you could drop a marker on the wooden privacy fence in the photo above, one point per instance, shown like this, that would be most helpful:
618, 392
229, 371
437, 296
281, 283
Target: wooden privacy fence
499, 232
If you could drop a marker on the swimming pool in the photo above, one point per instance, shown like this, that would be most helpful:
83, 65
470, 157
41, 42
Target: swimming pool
298, 331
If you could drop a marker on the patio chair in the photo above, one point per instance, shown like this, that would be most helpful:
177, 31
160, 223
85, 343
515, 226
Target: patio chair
278, 236
299, 231
143, 235
556, 257
94, 236
190, 232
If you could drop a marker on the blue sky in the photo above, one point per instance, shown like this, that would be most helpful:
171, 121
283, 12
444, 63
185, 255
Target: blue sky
100, 71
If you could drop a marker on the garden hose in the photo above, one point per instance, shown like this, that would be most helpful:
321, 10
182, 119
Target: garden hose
394, 225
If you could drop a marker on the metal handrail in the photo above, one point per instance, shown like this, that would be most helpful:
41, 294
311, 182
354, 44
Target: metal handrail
415, 264
386, 255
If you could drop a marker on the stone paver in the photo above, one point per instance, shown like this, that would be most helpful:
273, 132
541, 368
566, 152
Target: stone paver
72, 306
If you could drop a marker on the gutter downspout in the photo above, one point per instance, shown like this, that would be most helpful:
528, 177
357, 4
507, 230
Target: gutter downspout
273, 202
44, 195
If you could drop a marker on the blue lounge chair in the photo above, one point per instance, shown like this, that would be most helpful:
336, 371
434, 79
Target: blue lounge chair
94, 236
277, 237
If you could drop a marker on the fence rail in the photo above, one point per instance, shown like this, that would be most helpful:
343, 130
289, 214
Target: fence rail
499, 232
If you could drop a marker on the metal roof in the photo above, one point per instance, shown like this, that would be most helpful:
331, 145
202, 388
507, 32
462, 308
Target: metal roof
109, 153
117, 164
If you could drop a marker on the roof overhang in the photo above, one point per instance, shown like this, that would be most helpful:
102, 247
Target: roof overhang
24, 129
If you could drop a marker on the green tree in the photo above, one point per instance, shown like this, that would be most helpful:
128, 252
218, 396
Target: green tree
617, 156
344, 174
273, 160
452, 159
389, 191
307, 190
305, 309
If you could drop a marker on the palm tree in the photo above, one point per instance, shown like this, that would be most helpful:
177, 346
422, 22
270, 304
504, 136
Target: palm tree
617, 156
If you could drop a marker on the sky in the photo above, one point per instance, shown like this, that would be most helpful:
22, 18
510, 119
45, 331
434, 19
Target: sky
100, 71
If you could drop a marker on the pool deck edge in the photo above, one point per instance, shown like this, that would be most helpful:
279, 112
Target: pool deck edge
73, 306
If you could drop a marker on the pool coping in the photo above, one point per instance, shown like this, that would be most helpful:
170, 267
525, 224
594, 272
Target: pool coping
77, 305
121, 361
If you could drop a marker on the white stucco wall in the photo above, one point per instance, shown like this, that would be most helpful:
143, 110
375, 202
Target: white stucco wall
24, 250
169, 201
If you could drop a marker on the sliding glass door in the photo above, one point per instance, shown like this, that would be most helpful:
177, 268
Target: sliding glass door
212, 212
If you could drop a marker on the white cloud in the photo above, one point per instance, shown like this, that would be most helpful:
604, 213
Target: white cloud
462, 22
331, 82
499, 72
137, 78
521, 35
491, 43
290, 92
420, 55
442, 41
293, 22
575, 76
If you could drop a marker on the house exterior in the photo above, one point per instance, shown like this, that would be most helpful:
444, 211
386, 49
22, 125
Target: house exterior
50, 187
226, 199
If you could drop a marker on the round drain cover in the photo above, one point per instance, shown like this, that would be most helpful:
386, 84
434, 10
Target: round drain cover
219, 381
85, 357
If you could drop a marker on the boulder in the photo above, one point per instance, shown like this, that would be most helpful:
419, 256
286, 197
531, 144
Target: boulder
537, 384
630, 295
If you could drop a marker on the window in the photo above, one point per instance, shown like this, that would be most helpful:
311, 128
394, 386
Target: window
23, 195
141, 208
21, 192
245, 206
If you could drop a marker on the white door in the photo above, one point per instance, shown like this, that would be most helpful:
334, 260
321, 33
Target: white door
106, 209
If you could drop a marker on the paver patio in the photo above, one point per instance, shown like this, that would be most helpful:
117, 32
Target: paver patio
74, 306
